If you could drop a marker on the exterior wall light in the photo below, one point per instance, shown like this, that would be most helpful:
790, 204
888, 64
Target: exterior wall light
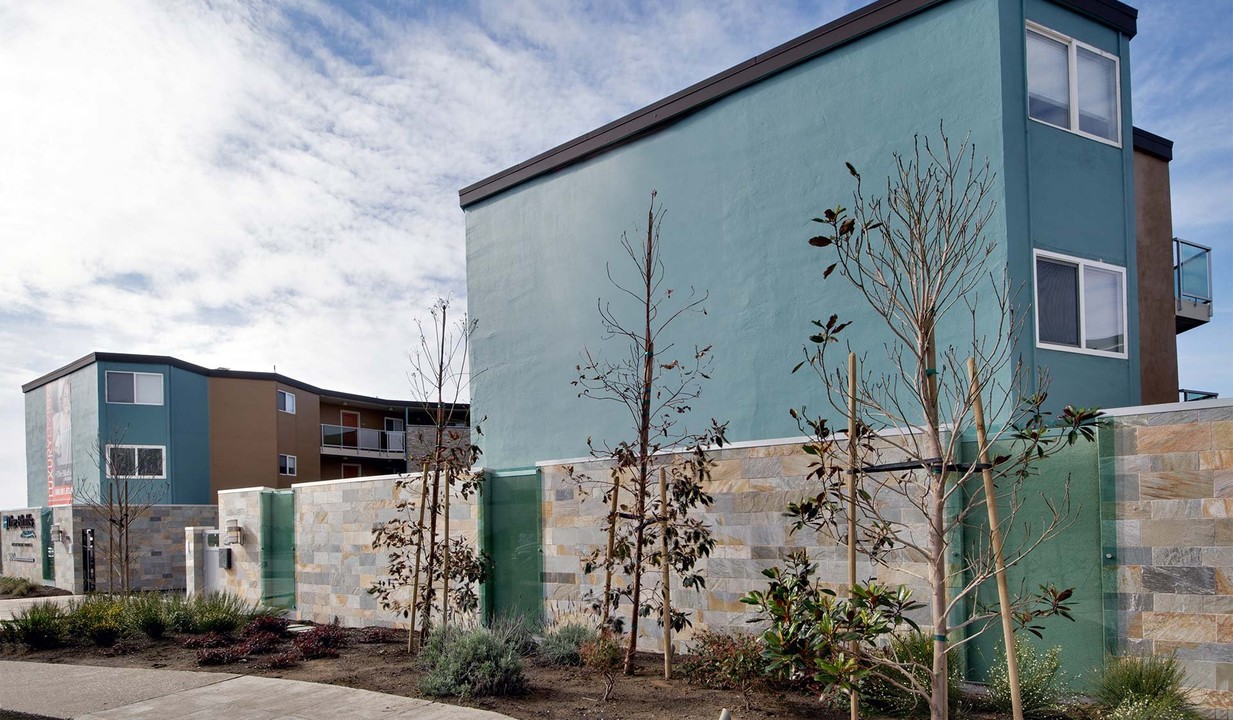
233, 532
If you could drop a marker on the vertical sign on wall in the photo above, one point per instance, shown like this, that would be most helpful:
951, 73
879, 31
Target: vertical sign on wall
59, 443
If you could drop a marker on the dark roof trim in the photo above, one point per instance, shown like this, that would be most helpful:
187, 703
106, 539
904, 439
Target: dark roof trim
1153, 144
695, 97
221, 373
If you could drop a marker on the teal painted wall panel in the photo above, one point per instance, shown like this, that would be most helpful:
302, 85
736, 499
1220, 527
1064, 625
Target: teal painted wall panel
78, 459
739, 180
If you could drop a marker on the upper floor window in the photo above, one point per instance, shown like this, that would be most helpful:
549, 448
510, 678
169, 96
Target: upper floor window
286, 465
1080, 305
135, 388
1072, 85
136, 461
286, 402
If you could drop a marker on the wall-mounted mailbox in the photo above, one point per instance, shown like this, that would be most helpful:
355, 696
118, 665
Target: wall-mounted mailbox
224, 558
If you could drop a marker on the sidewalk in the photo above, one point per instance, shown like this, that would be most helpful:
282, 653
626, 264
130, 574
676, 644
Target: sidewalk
85, 692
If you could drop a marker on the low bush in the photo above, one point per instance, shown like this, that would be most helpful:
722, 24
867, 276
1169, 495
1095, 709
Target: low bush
207, 640
519, 633
17, 587
725, 661
99, 618
265, 623
914, 653
146, 613
605, 656
220, 612
1152, 686
42, 625
312, 646
562, 645
284, 660
216, 656
1041, 682
257, 643
460, 662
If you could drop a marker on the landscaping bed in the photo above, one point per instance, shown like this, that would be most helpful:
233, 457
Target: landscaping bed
11, 588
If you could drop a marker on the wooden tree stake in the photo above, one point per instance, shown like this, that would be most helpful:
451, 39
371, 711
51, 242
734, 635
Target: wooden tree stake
854, 699
445, 558
419, 552
667, 581
612, 519
995, 540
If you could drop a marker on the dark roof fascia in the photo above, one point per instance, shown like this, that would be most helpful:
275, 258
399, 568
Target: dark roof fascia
1115, 14
658, 115
221, 373
1153, 144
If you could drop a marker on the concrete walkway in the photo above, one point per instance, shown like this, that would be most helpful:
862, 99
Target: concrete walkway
85, 692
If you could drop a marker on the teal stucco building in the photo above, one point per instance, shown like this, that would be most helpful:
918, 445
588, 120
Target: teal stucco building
741, 161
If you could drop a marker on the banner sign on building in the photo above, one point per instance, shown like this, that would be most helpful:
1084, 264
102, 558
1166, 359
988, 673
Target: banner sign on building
59, 443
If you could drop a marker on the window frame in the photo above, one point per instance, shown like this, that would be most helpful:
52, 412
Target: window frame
136, 462
1080, 264
290, 396
1072, 70
107, 387
293, 465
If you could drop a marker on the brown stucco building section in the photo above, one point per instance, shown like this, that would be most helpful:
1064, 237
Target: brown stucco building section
1154, 260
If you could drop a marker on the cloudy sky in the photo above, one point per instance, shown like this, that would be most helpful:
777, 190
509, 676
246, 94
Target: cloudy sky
252, 184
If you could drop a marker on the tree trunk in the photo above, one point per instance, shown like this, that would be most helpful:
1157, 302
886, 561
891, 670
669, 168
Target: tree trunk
939, 703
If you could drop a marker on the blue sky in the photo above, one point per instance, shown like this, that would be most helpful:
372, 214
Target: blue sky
260, 184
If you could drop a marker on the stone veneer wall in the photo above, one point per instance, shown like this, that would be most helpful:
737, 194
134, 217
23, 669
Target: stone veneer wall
244, 577
23, 557
751, 487
1170, 515
335, 560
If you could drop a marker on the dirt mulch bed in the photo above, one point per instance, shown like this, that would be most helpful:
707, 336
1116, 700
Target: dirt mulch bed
555, 692
39, 591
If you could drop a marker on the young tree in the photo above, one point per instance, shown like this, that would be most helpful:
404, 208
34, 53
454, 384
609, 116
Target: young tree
656, 391
133, 481
920, 258
421, 553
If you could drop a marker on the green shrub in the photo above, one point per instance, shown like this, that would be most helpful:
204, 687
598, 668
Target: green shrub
605, 656
1151, 685
561, 644
915, 651
519, 633
99, 618
17, 587
1041, 682
221, 612
460, 662
725, 661
146, 613
42, 625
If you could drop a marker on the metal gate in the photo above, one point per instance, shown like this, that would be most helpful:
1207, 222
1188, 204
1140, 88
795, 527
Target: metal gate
511, 533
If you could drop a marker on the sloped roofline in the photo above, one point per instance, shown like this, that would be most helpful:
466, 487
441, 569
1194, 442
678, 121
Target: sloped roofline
656, 116
97, 357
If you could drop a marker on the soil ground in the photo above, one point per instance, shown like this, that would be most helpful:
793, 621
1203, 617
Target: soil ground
38, 592
555, 692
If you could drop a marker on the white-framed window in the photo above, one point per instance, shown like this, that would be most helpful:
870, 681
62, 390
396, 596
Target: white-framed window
1080, 305
148, 462
286, 465
134, 388
1073, 86
286, 402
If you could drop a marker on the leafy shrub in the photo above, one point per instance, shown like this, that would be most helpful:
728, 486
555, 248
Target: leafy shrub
519, 633
146, 613
1040, 680
42, 625
378, 635
562, 644
604, 655
312, 646
1150, 685
178, 610
265, 623
257, 643
17, 587
216, 656
100, 618
207, 640
283, 660
220, 612
915, 652
461, 662
725, 661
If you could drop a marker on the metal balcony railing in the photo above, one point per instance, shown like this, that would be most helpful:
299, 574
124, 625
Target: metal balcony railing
1192, 284
352, 438
1192, 395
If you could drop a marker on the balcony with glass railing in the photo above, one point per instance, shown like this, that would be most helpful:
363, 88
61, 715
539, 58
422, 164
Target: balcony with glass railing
341, 438
1192, 284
